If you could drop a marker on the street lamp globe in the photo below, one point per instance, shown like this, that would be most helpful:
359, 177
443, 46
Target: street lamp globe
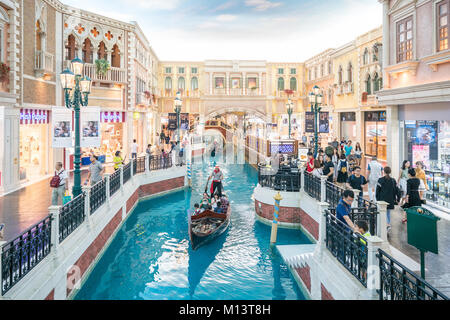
316, 90
312, 97
319, 99
77, 66
85, 84
67, 79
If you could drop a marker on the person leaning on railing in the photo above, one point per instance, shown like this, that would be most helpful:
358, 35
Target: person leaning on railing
344, 208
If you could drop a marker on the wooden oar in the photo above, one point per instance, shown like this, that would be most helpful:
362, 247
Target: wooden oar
207, 182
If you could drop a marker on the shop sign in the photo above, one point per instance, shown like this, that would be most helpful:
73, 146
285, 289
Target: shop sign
324, 123
112, 116
31, 116
309, 121
136, 115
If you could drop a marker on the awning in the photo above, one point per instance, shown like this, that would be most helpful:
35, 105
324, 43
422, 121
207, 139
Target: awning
34, 116
112, 116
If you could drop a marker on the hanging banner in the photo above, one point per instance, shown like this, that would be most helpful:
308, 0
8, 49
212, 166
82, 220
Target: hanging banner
184, 121
324, 123
90, 127
172, 121
61, 127
309, 121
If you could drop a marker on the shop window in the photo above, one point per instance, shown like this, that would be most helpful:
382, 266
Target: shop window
168, 83
376, 134
220, 82
181, 83
38, 36
280, 84
70, 47
88, 51
194, 83
405, 39
115, 57
293, 84
101, 53
443, 17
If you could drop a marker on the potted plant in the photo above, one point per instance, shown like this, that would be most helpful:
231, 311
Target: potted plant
102, 66
4, 72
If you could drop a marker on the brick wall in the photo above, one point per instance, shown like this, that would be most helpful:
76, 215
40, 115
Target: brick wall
132, 200
325, 294
305, 274
161, 186
51, 295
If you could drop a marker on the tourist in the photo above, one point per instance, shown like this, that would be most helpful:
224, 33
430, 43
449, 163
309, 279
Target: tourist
403, 177
134, 149
217, 177
317, 169
214, 201
218, 208
356, 181
95, 171
344, 208
2, 231
363, 228
162, 137
412, 192
335, 144
348, 148
320, 157
224, 201
118, 161
197, 209
59, 183
310, 163
328, 168
420, 174
149, 150
375, 170
342, 169
206, 202
358, 153
387, 191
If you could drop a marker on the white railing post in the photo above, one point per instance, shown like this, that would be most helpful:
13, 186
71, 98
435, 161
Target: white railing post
2, 243
121, 178
87, 203
108, 188
382, 220
147, 164
323, 188
355, 203
373, 270
321, 245
302, 179
54, 237
132, 169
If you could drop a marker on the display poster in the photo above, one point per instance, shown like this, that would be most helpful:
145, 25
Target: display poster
172, 121
220, 83
427, 134
324, 122
251, 83
61, 127
184, 121
303, 154
90, 127
421, 153
309, 121
235, 83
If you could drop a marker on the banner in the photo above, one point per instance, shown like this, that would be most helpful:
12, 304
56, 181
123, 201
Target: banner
172, 121
90, 127
309, 121
61, 127
324, 123
184, 121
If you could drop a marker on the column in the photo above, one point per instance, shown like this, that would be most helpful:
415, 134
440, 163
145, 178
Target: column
323, 188
386, 42
394, 154
302, 179
244, 83
382, 220
321, 244
373, 271
87, 204
359, 129
147, 164
210, 83
260, 83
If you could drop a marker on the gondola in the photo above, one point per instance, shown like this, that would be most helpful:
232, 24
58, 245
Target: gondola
207, 226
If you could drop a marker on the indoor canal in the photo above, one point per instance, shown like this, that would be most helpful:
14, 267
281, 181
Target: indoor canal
150, 257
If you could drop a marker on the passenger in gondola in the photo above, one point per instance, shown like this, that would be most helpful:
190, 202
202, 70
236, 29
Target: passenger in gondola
214, 200
218, 208
197, 209
206, 202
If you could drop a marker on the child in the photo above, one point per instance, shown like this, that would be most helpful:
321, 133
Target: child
363, 229
218, 209
197, 209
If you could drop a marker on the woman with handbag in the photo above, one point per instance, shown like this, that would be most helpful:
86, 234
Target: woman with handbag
403, 177
387, 191
412, 192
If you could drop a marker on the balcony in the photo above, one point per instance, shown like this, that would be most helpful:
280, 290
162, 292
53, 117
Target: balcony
339, 89
113, 75
141, 98
43, 64
348, 88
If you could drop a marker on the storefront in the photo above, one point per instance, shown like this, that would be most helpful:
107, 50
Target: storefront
348, 126
375, 130
139, 119
33, 144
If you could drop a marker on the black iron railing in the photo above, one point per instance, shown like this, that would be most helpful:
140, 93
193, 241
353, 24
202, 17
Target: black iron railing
126, 172
22, 254
348, 247
369, 216
97, 196
369, 205
399, 283
139, 165
71, 215
160, 162
313, 186
333, 194
114, 182
281, 180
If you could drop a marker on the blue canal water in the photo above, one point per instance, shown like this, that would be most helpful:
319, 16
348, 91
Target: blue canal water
151, 258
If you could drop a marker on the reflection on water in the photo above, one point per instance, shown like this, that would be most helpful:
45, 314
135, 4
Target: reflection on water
151, 257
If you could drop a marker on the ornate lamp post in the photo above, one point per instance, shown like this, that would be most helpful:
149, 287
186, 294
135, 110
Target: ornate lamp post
316, 100
178, 102
76, 91
290, 109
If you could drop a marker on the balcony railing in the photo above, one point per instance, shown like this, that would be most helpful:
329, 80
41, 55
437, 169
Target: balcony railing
280, 180
313, 186
113, 75
141, 98
44, 62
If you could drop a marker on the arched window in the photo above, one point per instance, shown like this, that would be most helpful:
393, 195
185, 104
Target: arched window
280, 84
194, 83
181, 83
350, 73
70, 47
101, 53
369, 85
293, 84
4, 26
168, 83
88, 51
340, 75
115, 56
376, 83
38, 36
366, 56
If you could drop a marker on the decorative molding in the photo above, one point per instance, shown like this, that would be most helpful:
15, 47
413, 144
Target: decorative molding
436, 59
423, 93
407, 66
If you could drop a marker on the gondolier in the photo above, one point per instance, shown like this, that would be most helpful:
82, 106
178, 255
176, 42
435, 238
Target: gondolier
217, 177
